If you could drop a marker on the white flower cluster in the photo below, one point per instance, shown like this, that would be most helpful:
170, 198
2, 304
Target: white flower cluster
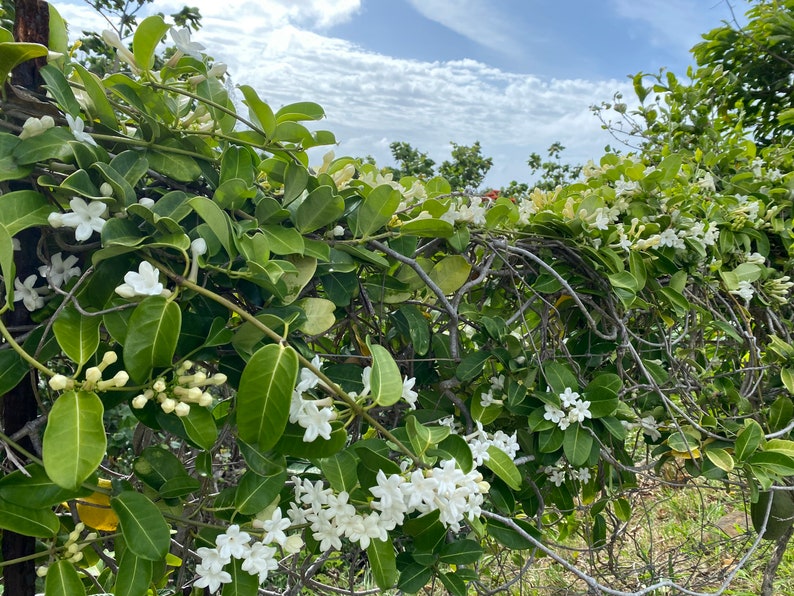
559, 471
93, 377
186, 389
259, 557
57, 273
473, 213
744, 290
315, 415
331, 516
487, 398
479, 442
576, 410
72, 548
778, 288
35, 126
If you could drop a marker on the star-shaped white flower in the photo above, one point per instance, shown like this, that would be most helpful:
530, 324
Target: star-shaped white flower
146, 282
29, 295
60, 270
182, 42
77, 126
85, 218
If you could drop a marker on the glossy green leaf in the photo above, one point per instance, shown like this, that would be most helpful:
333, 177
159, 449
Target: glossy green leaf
460, 552
259, 111
255, 492
41, 523
559, 377
265, 394
374, 211
7, 266
148, 35
471, 365
243, 583
14, 53
424, 437
450, 273
52, 144
386, 382
427, 228
381, 557
264, 464
414, 577
320, 208
74, 440
296, 177
284, 241
142, 525
23, 209
217, 220
459, 449
501, 465
134, 575
781, 411
63, 580
99, 107
155, 466
720, 458
200, 427
9, 168
577, 444
77, 334
602, 393
454, 583
340, 470
155, 326
412, 324
515, 539
748, 440
33, 488
305, 110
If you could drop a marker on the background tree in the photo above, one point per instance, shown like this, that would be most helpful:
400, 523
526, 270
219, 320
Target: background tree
412, 162
552, 172
468, 167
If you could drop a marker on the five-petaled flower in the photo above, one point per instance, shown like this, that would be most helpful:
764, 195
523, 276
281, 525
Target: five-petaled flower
29, 295
60, 270
182, 42
144, 282
85, 218
77, 126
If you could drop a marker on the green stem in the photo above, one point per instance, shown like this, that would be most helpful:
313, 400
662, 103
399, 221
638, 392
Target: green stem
336, 389
31, 557
21, 351
17, 447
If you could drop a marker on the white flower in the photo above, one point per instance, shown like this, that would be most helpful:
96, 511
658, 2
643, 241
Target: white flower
568, 397
211, 558
293, 545
182, 42
29, 295
556, 475
60, 270
274, 528
198, 247
498, 383
650, 427
670, 238
316, 421
211, 578
326, 533
579, 411
308, 380
146, 202
582, 474
261, 560
365, 380
745, 291
85, 218
408, 394
233, 542
553, 413
77, 126
36, 126
145, 282
112, 39
486, 399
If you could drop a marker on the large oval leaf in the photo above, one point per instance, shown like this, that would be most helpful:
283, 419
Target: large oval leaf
265, 394
77, 334
385, 379
134, 575
63, 580
41, 523
144, 529
147, 37
374, 211
152, 336
319, 209
74, 441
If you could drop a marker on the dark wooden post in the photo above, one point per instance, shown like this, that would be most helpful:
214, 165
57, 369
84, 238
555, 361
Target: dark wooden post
18, 407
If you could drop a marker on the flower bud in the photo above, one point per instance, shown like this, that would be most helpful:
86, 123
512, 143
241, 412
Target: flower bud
205, 400
58, 382
93, 374
168, 405
219, 378
182, 409
159, 385
139, 402
121, 378
41, 571
105, 189
146, 202
293, 544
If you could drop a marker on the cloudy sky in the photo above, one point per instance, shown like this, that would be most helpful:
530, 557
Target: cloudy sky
516, 75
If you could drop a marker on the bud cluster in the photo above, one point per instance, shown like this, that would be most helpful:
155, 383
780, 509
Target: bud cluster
184, 390
93, 377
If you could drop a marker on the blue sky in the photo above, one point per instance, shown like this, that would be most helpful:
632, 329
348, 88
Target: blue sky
517, 75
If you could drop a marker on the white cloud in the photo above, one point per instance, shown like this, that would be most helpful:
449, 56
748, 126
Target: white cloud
476, 20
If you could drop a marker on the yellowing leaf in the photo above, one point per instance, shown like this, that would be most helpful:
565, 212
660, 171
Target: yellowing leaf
95, 512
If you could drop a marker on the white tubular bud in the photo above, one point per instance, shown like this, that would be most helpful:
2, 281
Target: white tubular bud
219, 378
93, 374
205, 400
58, 382
109, 358
182, 409
168, 405
194, 394
139, 402
159, 386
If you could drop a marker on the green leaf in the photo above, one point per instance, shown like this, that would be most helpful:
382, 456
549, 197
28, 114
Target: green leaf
63, 580
13, 53
459, 449
295, 112
339, 470
450, 273
454, 583
602, 393
427, 228
74, 440
414, 577
501, 465
577, 444
374, 211
77, 334
461, 552
255, 492
748, 440
319, 315
773, 462
134, 575
720, 458
622, 509
265, 394
296, 177
383, 561
200, 427
385, 379
99, 107
243, 583
41, 523
53, 143
512, 538
9, 169
142, 525
32, 488
413, 326
292, 443
782, 410
424, 437
217, 220
147, 37
7, 266
151, 340
471, 365
155, 466
259, 111
321, 207
23, 209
